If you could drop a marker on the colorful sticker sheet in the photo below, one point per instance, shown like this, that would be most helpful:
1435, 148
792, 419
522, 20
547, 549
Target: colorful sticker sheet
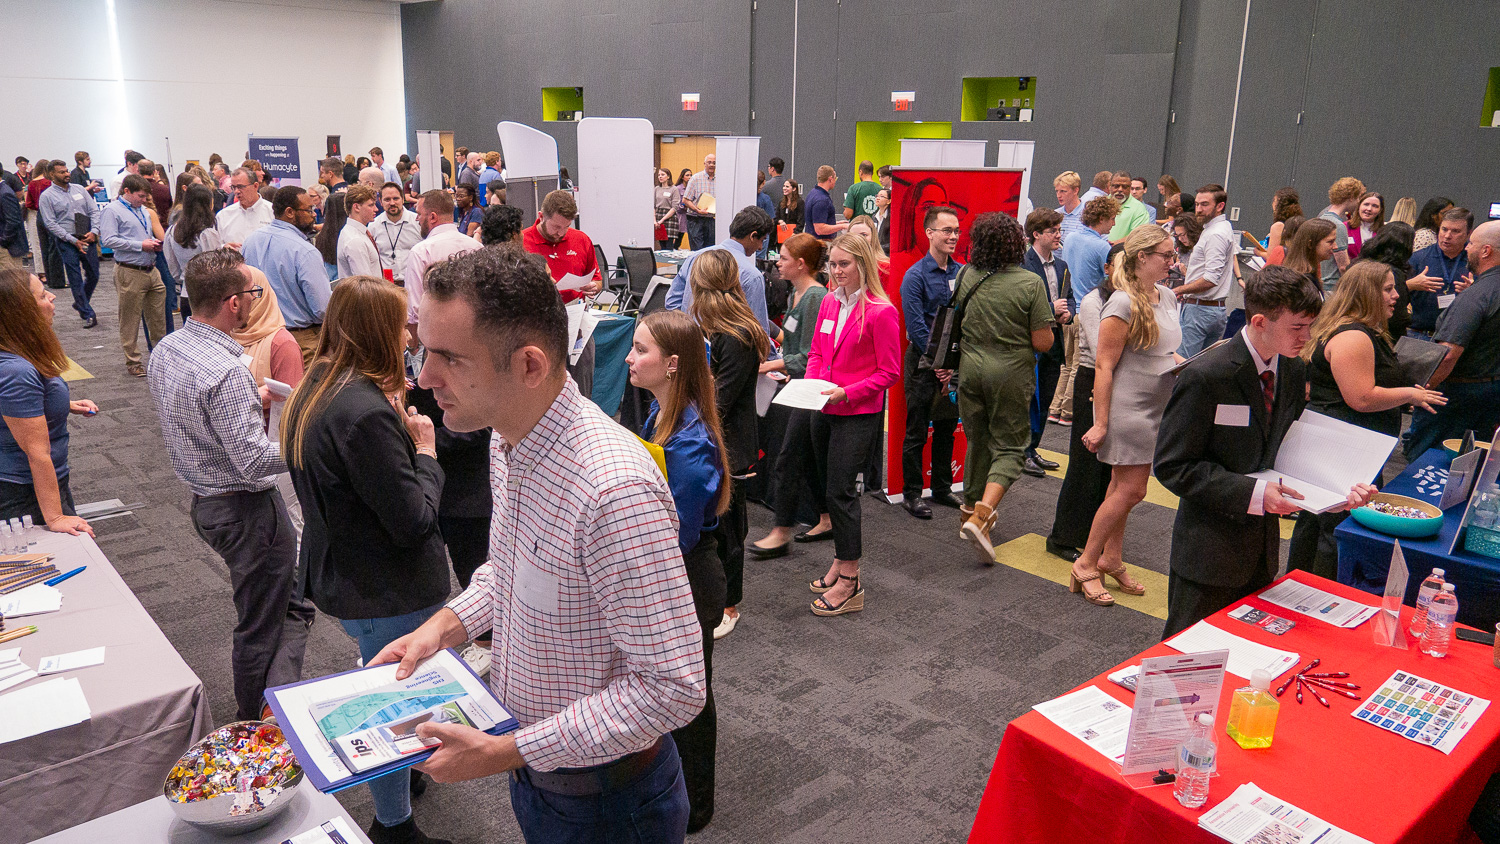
1425, 711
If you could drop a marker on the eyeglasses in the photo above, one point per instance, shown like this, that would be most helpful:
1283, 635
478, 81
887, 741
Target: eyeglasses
1169, 254
239, 187
253, 293
946, 232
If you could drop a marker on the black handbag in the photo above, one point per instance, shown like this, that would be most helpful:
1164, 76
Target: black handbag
947, 328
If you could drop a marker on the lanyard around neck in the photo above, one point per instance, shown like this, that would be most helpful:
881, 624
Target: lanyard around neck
139, 215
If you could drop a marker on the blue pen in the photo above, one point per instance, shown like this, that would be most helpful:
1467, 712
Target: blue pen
60, 578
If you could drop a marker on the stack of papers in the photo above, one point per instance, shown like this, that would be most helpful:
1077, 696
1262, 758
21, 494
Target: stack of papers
35, 599
1251, 816
13, 672
69, 662
1323, 458
1312, 601
44, 707
1097, 719
1244, 655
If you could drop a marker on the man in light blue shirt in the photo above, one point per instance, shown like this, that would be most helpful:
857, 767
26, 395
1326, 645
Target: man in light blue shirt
293, 266
747, 233
62, 206
1069, 205
377, 155
1087, 252
125, 229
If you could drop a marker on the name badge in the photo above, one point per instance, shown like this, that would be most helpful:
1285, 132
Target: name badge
246, 360
536, 588
790, 323
1445, 300
1233, 415
827, 326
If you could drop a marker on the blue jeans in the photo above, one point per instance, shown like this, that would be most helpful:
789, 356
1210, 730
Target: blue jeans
700, 232
652, 809
1470, 407
392, 792
82, 269
1202, 325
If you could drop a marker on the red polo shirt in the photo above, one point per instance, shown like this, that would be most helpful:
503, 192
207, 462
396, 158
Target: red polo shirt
573, 255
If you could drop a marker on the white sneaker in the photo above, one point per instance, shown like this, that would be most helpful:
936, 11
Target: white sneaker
478, 659
726, 626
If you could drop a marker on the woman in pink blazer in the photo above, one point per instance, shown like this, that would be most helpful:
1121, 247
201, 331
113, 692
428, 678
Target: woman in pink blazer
857, 346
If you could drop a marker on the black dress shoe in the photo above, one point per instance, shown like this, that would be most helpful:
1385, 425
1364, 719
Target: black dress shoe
917, 507
762, 553
946, 499
1043, 462
1030, 467
809, 536
1063, 551
405, 832
90, 322
418, 783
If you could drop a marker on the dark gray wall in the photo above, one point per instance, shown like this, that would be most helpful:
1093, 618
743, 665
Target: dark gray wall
1385, 93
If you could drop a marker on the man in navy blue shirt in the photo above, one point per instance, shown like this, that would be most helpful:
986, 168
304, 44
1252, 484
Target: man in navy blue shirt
1440, 271
928, 285
821, 220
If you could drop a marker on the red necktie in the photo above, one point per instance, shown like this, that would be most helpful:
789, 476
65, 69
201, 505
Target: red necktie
1268, 386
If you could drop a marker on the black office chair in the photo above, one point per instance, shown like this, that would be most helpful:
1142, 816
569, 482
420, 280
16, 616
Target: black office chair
640, 266
611, 276
655, 298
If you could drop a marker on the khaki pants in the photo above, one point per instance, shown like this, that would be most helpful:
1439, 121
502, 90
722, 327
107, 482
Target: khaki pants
8, 261
307, 340
140, 292
1062, 399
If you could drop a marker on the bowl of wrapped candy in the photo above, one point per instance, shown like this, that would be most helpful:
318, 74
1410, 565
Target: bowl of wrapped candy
237, 778
1399, 515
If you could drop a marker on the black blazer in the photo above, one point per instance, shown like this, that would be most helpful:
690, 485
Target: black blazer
465, 458
371, 544
736, 368
1215, 540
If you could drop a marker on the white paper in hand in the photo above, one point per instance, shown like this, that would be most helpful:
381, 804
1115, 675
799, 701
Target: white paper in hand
574, 282
806, 393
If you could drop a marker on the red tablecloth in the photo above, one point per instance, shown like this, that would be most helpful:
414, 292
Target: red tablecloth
1047, 786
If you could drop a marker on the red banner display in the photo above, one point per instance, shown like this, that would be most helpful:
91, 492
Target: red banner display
913, 191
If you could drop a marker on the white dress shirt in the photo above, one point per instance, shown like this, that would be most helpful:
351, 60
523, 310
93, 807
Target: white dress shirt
395, 238
1258, 498
442, 243
236, 222
357, 254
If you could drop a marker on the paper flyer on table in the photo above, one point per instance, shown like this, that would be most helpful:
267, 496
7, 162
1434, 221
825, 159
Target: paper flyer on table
1171, 692
1244, 655
1094, 717
1422, 710
332, 831
33, 600
806, 393
71, 661
1312, 601
1251, 816
48, 706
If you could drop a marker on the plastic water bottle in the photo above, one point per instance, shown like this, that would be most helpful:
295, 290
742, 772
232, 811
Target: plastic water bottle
31, 538
1430, 587
1195, 762
7, 540
1441, 614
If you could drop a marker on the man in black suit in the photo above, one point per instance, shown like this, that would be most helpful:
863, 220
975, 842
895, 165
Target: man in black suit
1228, 414
1044, 230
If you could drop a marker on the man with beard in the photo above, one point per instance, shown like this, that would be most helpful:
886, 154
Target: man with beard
293, 265
211, 421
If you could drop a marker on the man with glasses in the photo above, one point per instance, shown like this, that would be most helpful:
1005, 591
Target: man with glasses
211, 421
928, 286
293, 266
125, 229
247, 213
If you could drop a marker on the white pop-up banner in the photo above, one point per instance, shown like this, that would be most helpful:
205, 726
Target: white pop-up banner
615, 196
734, 179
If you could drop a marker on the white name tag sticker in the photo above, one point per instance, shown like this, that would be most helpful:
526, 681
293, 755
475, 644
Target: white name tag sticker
1233, 415
1445, 300
827, 326
789, 324
536, 588
247, 360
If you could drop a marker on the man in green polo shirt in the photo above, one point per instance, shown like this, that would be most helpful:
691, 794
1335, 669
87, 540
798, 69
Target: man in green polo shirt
1133, 212
860, 198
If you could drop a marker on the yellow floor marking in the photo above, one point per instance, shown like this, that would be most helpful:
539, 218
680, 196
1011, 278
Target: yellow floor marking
1029, 554
1155, 492
74, 372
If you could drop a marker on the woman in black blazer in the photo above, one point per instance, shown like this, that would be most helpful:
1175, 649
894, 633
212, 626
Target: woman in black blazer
737, 345
369, 481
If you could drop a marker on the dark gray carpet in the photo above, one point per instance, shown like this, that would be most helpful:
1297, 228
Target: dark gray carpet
875, 727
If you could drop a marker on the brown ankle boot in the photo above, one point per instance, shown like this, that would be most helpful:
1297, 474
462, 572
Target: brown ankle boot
977, 531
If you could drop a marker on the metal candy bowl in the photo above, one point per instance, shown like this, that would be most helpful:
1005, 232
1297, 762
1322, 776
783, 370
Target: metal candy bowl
237, 778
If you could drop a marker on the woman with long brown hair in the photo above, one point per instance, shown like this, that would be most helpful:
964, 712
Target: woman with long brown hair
1313, 244
1354, 376
1138, 333
34, 403
365, 469
667, 359
737, 345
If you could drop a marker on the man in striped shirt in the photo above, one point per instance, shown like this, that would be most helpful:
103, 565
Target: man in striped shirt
597, 650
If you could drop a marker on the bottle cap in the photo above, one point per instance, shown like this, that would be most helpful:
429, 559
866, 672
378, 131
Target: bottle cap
1447, 587
1205, 719
1260, 679
1439, 572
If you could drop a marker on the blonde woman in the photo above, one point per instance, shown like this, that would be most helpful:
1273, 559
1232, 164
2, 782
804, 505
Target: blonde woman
857, 347
1138, 331
1404, 211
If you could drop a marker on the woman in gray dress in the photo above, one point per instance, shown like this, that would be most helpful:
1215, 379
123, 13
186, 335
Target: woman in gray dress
1138, 332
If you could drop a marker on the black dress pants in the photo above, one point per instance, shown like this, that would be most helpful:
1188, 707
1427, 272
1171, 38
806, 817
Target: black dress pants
841, 449
734, 526
797, 474
697, 741
922, 388
1087, 480
468, 541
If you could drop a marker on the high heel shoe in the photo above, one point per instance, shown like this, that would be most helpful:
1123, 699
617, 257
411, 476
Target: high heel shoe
976, 529
822, 584
854, 603
1077, 584
1123, 580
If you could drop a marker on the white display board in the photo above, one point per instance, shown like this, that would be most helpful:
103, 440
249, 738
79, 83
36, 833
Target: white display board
615, 195
941, 152
1016, 155
529, 153
734, 180
430, 158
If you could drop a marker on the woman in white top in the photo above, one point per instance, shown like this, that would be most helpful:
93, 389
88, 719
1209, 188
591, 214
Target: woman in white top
194, 232
357, 255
